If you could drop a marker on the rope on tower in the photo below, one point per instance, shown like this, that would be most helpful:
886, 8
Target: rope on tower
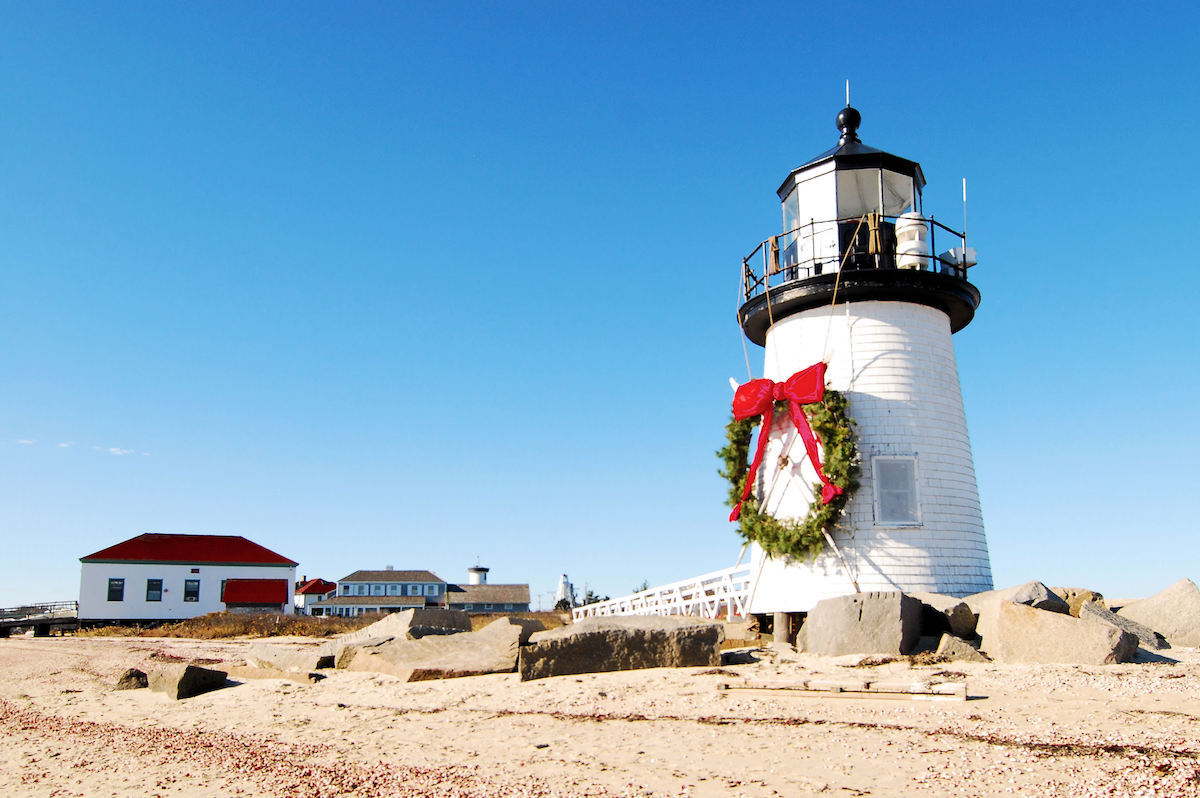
836, 283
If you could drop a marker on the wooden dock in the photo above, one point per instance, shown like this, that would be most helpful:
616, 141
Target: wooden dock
43, 618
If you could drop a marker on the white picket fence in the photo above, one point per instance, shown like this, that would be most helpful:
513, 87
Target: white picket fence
712, 595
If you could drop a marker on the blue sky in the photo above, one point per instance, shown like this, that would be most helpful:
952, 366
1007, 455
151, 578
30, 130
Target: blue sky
426, 284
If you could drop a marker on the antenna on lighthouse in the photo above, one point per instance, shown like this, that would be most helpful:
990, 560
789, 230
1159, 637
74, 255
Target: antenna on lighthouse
964, 213
847, 93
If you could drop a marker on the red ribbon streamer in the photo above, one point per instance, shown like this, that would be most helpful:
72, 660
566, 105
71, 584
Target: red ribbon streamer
758, 397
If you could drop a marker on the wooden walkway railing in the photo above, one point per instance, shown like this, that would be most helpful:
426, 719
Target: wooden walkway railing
712, 595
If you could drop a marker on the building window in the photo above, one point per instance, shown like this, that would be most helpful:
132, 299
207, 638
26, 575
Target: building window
487, 606
360, 590
896, 502
195, 570
414, 590
376, 590
393, 590
431, 590
191, 589
153, 590
116, 589
508, 606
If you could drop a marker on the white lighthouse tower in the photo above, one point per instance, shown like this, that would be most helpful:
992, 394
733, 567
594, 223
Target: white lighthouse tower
855, 280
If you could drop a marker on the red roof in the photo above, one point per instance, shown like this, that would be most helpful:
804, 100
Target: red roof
316, 587
255, 591
193, 549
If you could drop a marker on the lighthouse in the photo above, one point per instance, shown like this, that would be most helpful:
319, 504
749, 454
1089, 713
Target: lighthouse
863, 280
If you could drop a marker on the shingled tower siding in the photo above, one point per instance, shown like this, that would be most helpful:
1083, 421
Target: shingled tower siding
895, 362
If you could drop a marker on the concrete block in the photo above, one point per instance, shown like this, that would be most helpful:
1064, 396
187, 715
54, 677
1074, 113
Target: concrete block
185, 681
289, 658
864, 623
493, 649
958, 649
1025, 634
1174, 613
621, 643
1076, 597
1147, 637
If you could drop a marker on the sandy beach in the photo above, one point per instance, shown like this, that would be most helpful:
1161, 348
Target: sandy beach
1027, 730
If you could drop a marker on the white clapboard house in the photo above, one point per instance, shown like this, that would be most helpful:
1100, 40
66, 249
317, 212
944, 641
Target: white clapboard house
167, 577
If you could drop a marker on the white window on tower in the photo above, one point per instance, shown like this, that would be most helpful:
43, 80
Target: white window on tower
896, 499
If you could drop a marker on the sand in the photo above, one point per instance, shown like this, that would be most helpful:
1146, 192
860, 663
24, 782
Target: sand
1026, 730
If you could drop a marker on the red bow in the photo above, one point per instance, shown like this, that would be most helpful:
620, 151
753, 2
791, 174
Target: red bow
758, 397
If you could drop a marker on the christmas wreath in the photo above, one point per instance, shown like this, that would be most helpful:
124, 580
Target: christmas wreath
816, 411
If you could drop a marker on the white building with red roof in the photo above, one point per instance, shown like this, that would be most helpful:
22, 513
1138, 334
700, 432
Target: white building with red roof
168, 577
309, 591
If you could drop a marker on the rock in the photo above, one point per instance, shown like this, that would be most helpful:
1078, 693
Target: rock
622, 643
1174, 613
493, 649
1147, 637
986, 606
926, 644
1025, 634
185, 681
958, 649
288, 658
741, 630
1076, 597
406, 625
253, 672
945, 614
864, 623
132, 679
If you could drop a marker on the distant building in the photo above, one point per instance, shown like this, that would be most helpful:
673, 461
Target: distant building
309, 591
383, 591
392, 591
168, 577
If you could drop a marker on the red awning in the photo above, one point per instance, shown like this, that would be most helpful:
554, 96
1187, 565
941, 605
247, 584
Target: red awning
255, 591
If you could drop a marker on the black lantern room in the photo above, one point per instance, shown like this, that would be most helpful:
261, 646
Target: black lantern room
854, 229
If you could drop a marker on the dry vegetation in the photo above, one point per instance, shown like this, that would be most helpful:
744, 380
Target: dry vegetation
226, 624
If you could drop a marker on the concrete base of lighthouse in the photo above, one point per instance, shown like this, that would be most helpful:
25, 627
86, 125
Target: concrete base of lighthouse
895, 363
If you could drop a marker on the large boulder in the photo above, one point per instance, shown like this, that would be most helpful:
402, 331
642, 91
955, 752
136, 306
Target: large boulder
1076, 597
945, 614
1174, 613
955, 648
185, 681
282, 657
132, 679
986, 605
493, 649
1025, 634
1147, 637
864, 623
622, 643
405, 625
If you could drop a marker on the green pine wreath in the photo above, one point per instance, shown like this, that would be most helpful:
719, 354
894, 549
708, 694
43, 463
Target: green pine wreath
795, 539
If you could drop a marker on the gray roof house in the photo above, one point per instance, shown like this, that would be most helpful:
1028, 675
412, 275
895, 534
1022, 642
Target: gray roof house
390, 590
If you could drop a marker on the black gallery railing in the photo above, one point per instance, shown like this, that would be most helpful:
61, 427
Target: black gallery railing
872, 241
